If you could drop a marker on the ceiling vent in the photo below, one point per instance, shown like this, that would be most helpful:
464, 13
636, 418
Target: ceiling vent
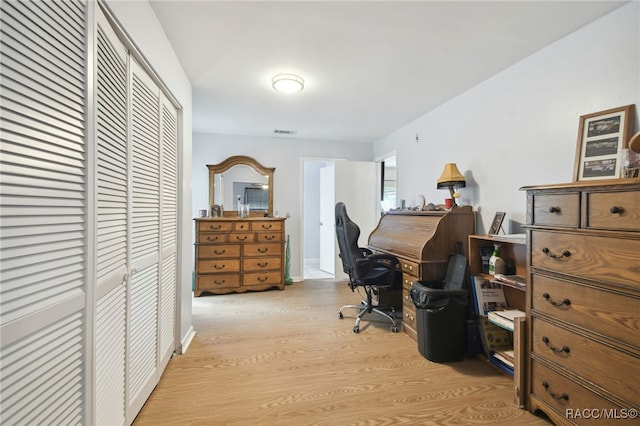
284, 132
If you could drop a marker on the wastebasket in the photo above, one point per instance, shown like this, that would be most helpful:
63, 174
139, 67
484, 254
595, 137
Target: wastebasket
441, 321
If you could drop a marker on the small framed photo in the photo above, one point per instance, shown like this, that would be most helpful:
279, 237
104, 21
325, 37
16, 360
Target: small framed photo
601, 138
497, 223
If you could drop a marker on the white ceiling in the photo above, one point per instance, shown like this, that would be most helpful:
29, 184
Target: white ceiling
370, 67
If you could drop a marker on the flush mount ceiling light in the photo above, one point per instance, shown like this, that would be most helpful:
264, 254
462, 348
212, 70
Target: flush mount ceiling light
287, 83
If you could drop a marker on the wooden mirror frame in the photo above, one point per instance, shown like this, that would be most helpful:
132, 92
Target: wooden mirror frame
241, 160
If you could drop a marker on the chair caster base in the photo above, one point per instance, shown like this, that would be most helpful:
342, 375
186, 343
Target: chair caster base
356, 329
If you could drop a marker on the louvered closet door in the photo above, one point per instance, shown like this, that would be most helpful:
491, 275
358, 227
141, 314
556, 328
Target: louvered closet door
142, 328
169, 233
43, 216
112, 229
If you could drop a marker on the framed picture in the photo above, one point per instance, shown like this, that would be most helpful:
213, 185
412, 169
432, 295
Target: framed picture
601, 138
497, 223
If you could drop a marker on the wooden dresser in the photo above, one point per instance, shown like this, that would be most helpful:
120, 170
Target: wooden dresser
422, 241
584, 301
239, 254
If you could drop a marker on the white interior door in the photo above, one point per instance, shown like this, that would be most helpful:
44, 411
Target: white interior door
327, 225
354, 183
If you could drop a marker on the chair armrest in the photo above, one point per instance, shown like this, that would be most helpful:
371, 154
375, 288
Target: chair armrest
365, 251
383, 256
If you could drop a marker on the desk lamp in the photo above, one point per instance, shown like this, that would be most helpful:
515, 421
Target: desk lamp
451, 178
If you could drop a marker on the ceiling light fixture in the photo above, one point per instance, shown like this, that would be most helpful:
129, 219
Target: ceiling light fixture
287, 83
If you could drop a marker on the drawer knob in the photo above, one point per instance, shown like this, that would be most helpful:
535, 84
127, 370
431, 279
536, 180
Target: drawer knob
616, 210
554, 395
263, 250
554, 209
220, 251
548, 298
263, 279
243, 238
565, 253
564, 349
219, 267
263, 264
269, 237
266, 226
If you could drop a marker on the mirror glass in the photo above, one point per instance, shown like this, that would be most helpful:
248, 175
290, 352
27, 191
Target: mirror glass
240, 180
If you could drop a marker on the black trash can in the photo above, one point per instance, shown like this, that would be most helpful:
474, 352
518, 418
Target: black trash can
441, 319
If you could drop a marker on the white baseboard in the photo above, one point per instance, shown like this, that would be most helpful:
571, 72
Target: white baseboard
186, 341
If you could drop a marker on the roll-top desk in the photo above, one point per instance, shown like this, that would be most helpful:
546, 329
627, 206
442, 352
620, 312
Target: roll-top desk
239, 254
583, 306
422, 241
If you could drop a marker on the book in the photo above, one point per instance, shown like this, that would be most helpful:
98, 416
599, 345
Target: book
494, 338
505, 318
517, 281
487, 295
506, 357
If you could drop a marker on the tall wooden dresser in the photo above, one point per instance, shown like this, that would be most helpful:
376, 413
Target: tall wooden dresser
422, 241
239, 254
583, 306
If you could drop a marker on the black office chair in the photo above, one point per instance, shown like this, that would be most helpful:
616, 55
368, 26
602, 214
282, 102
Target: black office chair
369, 271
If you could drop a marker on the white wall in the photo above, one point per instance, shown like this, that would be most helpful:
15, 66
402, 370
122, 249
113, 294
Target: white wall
286, 156
520, 127
142, 26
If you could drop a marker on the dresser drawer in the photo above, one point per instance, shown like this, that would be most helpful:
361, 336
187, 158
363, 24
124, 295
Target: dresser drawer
218, 265
242, 225
266, 225
261, 263
212, 237
217, 281
268, 249
606, 259
206, 251
241, 237
259, 278
269, 236
607, 367
565, 397
214, 226
614, 210
605, 312
556, 209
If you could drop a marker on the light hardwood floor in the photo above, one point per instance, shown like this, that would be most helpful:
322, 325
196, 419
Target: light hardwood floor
284, 358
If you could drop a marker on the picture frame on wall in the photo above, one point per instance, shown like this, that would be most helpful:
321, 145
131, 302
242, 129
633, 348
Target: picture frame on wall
601, 138
496, 224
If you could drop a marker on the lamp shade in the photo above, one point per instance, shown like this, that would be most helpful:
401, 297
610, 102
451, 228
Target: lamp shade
450, 177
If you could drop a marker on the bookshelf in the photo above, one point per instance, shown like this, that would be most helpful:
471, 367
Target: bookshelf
513, 251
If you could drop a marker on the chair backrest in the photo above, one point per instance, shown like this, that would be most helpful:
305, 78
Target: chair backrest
347, 234
456, 271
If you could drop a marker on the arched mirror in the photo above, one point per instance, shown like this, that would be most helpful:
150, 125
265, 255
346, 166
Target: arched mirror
241, 179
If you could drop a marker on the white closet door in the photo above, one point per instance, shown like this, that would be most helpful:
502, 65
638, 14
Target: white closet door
43, 216
169, 234
111, 219
142, 327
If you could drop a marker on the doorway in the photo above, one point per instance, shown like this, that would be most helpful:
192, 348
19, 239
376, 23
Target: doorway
312, 222
326, 182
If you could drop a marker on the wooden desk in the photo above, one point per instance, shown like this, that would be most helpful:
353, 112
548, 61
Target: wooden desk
422, 241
